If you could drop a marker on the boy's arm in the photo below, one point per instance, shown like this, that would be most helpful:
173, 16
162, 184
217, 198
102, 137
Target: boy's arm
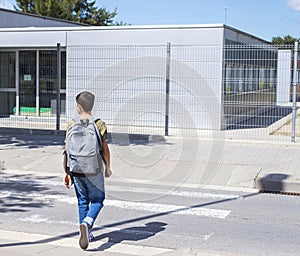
106, 157
65, 161
106, 153
67, 178
105, 149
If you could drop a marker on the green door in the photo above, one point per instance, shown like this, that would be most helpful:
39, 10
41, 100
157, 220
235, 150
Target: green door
7, 83
27, 82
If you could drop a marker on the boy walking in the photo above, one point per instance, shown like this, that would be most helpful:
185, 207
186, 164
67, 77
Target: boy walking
89, 186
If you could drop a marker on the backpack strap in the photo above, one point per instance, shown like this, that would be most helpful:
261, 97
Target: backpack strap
98, 134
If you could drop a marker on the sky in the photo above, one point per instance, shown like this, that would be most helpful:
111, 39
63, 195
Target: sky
262, 18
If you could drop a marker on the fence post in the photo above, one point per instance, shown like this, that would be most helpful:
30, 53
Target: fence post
58, 85
294, 109
167, 88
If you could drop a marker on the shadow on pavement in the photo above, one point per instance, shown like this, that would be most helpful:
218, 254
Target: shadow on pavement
125, 139
31, 140
273, 182
40, 138
118, 233
14, 191
130, 234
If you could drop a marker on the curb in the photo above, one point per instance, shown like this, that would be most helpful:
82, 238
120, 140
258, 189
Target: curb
277, 183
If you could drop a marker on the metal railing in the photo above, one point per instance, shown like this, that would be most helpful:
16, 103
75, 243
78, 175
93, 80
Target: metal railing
231, 91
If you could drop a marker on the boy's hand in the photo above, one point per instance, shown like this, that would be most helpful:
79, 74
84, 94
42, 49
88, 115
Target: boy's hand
68, 181
108, 172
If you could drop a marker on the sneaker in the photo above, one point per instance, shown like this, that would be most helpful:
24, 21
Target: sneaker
84, 236
91, 236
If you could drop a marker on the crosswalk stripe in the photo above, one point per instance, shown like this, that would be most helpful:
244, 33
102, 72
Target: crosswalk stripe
180, 193
148, 207
113, 188
170, 209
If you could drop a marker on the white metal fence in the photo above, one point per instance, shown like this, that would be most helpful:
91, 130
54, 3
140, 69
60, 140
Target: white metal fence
232, 91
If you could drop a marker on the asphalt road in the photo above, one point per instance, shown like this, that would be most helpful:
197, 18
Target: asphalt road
156, 216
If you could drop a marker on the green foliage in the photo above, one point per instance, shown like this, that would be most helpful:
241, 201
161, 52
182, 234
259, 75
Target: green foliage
284, 40
25, 6
104, 17
83, 11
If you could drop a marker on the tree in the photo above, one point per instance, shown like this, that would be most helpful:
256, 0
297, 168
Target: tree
284, 40
103, 16
83, 11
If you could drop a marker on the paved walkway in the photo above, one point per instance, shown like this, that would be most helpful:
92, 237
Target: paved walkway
69, 247
225, 164
213, 164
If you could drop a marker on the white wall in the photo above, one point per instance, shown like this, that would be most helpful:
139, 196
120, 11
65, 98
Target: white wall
33, 38
115, 62
284, 77
211, 35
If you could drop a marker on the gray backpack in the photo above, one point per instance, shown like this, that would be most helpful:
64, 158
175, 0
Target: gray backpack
84, 148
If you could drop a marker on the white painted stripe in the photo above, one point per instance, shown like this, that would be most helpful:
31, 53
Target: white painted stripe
114, 179
37, 218
183, 185
39, 196
169, 209
121, 248
171, 192
112, 188
7, 180
148, 207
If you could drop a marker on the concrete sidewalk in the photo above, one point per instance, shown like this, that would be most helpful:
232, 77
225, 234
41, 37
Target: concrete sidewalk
65, 248
196, 163
173, 162
20, 244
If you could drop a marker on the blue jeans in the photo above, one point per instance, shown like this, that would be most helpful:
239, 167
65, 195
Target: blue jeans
90, 194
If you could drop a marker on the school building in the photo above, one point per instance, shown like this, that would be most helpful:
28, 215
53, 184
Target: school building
208, 76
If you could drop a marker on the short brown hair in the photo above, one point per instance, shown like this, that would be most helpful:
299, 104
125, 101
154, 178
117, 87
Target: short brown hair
86, 101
